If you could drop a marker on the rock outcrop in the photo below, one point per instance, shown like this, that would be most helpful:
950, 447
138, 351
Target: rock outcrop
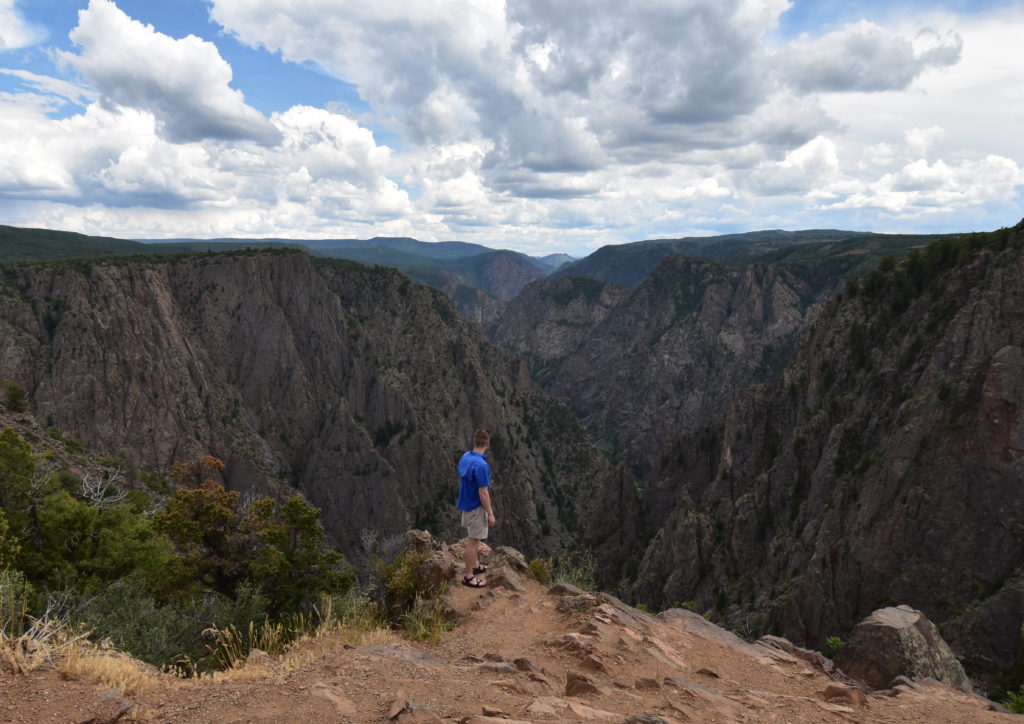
899, 641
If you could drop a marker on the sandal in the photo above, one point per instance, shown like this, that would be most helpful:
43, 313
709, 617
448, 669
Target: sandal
473, 582
481, 569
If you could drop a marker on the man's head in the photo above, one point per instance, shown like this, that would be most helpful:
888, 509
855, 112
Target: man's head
481, 440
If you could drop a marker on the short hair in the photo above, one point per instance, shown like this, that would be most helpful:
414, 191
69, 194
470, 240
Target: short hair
481, 438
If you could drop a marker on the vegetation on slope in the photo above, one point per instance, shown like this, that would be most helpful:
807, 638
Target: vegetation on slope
837, 254
154, 574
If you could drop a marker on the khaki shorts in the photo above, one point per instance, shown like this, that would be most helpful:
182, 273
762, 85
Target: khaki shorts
475, 522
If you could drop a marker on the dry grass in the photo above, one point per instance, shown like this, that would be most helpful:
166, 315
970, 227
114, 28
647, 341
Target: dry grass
303, 640
311, 648
302, 652
47, 644
41, 646
111, 669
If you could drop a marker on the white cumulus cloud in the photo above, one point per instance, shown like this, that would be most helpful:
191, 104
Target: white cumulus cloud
865, 57
807, 168
182, 82
533, 124
15, 31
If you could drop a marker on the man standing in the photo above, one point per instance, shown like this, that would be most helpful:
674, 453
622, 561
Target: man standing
475, 504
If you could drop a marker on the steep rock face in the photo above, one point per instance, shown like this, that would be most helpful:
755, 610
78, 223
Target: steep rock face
474, 304
884, 465
642, 365
354, 385
502, 274
550, 319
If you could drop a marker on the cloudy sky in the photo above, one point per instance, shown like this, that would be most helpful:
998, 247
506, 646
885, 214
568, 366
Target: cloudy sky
527, 124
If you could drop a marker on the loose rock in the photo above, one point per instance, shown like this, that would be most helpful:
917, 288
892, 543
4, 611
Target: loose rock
844, 694
577, 684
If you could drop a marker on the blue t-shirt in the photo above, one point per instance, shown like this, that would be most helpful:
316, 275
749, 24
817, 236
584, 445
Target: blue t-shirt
474, 473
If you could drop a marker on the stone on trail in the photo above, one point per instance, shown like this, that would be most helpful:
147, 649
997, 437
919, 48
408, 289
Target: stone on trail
498, 668
511, 557
577, 684
815, 659
505, 577
899, 641
564, 589
844, 694
343, 705
399, 705
524, 664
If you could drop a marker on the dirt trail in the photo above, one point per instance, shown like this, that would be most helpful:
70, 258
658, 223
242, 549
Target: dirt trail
512, 655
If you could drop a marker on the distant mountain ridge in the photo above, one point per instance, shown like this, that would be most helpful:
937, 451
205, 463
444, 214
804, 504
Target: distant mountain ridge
459, 267
445, 265
629, 264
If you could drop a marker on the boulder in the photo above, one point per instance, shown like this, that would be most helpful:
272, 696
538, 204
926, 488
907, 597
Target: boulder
899, 641
512, 558
504, 576
420, 541
438, 569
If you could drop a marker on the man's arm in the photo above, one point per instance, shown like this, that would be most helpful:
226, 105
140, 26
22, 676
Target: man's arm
485, 501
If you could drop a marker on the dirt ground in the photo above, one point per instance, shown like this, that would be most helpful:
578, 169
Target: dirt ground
526, 655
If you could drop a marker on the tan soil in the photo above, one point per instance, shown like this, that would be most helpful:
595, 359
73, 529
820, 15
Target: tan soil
699, 673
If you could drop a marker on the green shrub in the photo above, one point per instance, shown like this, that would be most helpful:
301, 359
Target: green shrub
170, 634
15, 396
8, 544
218, 545
16, 595
540, 569
354, 610
425, 620
86, 547
576, 569
399, 580
832, 646
1015, 701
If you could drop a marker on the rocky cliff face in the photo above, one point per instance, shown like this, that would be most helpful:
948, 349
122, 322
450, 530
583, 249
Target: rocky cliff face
354, 385
551, 319
642, 365
884, 465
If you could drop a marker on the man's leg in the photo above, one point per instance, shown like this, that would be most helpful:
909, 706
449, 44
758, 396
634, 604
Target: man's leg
470, 557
